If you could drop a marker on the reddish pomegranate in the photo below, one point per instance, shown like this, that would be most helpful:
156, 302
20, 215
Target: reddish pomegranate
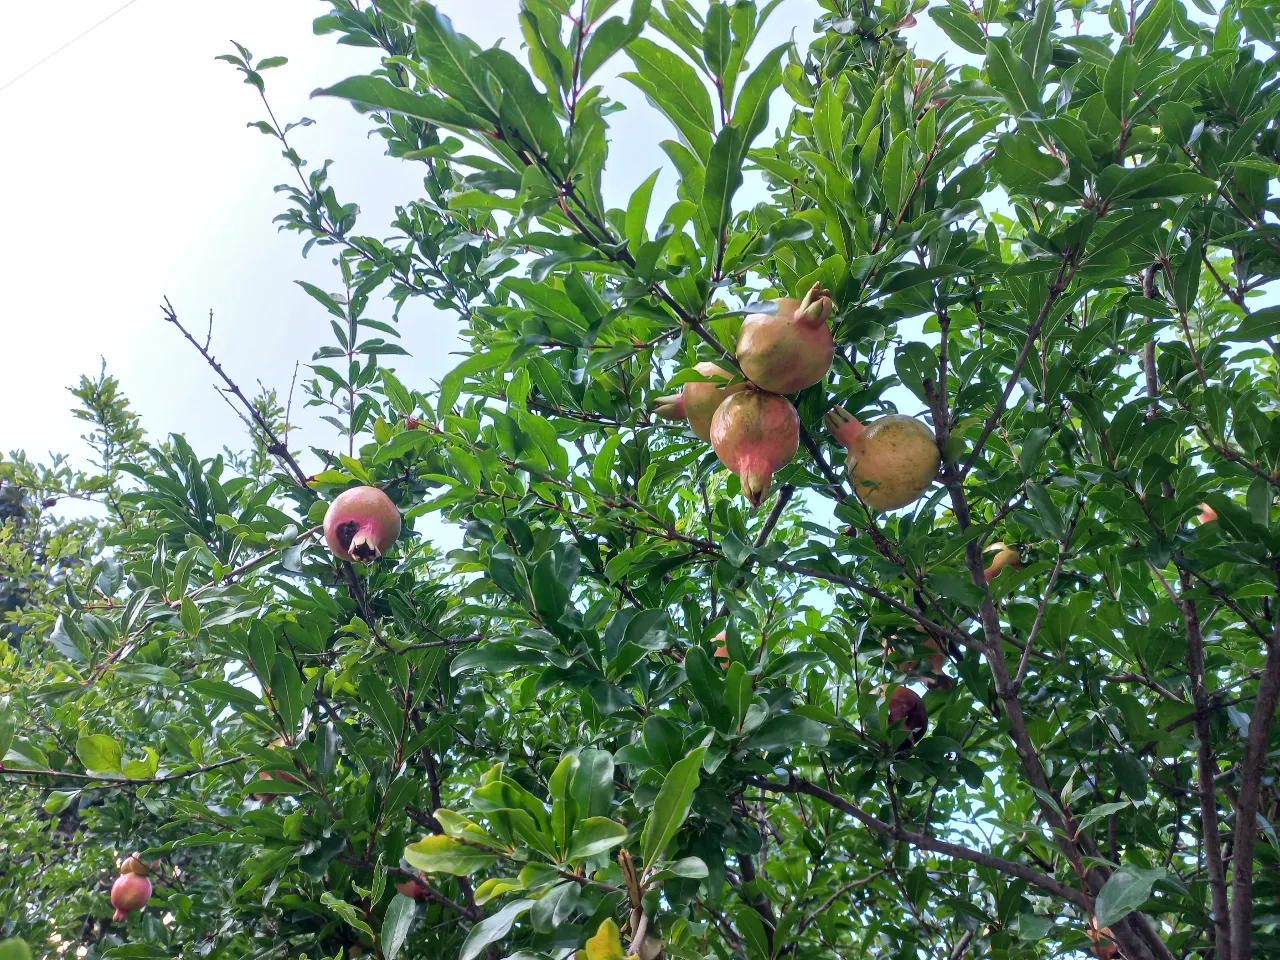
754, 433
413, 889
1005, 557
1207, 514
697, 402
906, 706
792, 349
130, 892
412, 423
891, 462
362, 523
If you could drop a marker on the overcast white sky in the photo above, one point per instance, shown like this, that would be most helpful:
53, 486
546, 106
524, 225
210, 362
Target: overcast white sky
129, 175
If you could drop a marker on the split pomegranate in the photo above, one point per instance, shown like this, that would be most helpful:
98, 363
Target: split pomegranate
130, 892
754, 433
906, 706
698, 402
361, 524
891, 462
791, 349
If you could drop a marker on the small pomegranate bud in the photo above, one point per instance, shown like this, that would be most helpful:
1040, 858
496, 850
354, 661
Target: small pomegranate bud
412, 889
789, 350
905, 706
1207, 514
361, 525
698, 401
1005, 557
891, 462
754, 433
49, 502
412, 423
130, 892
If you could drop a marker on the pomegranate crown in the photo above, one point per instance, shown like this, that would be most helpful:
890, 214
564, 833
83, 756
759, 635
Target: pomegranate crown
816, 306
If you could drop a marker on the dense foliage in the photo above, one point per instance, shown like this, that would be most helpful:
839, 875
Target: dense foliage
532, 747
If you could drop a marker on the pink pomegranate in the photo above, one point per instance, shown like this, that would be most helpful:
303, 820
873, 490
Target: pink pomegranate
698, 401
412, 888
1207, 514
362, 523
789, 350
130, 892
906, 706
754, 433
722, 650
892, 462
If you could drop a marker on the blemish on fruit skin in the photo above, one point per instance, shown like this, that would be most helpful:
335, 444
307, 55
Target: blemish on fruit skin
361, 524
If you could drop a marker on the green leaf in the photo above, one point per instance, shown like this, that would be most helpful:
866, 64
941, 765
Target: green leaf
737, 694
716, 39
381, 95
787, 731
14, 949
671, 806
1037, 46
676, 89
596, 835
593, 788
724, 177
350, 914
751, 112
441, 854
961, 28
1117, 85
493, 928
610, 37
70, 640
1125, 891
896, 173
396, 924
1046, 509
638, 212
1258, 325
1010, 75
99, 752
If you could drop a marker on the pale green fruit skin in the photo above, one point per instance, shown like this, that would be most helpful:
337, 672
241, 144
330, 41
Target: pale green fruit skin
893, 462
14, 949
702, 399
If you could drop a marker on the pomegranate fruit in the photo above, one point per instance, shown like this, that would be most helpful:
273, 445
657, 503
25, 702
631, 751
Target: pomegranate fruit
361, 524
906, 706
754, 433
698, 402
130, 892
412, 889
917, 639
1005, 557
136, 865
1207, 514
722, 651
791, 349
891, 462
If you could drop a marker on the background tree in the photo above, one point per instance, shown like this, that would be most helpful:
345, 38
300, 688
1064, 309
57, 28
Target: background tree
540, 741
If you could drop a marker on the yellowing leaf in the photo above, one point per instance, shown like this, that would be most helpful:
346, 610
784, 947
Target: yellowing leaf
606, 944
